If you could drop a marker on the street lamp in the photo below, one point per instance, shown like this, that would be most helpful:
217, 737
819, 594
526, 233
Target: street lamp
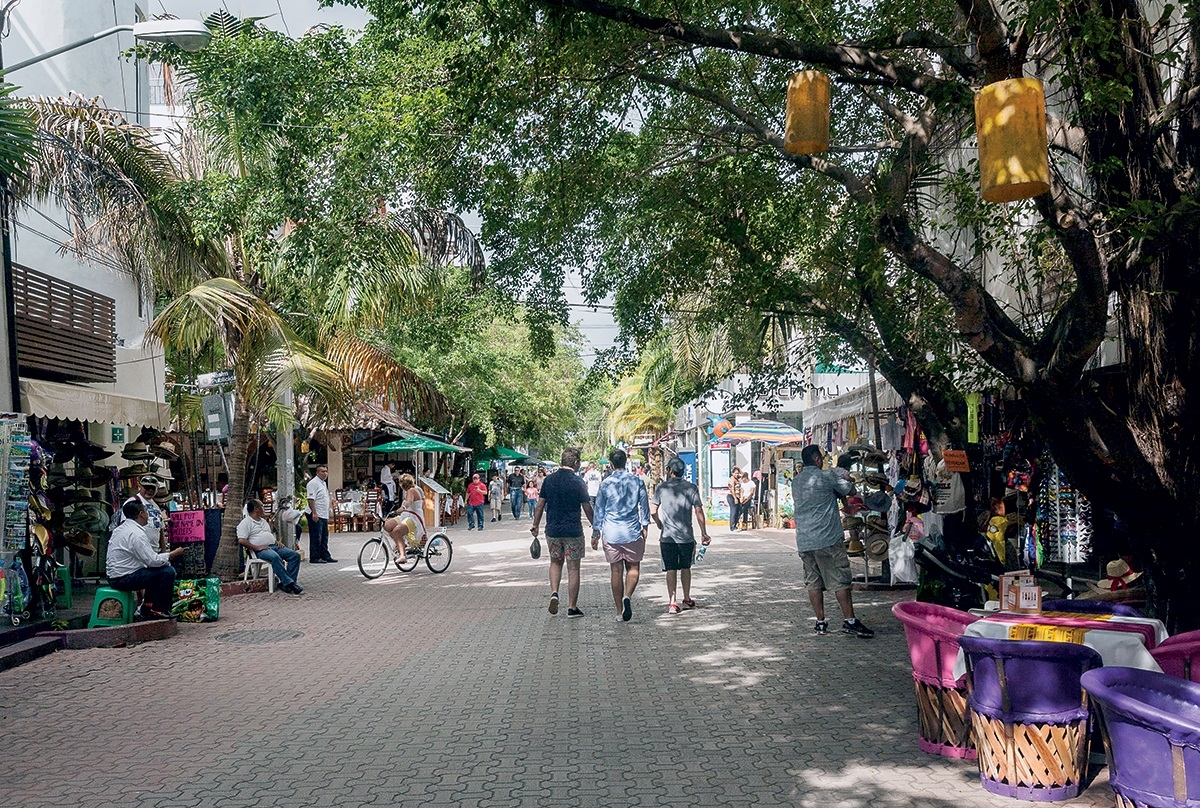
190, 35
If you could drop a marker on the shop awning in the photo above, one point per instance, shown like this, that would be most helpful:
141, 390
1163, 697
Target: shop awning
417, 443
501, 453
856, 402
82, 403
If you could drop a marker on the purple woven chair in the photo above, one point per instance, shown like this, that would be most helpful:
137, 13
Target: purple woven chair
1090, 607
1187, 636
1180, 659
1151, 726
932, 632
1029, 715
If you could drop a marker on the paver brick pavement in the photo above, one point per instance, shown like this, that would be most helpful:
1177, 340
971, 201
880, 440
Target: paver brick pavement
460, 689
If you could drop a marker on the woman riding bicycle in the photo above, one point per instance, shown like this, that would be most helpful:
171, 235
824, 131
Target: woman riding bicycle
410, 510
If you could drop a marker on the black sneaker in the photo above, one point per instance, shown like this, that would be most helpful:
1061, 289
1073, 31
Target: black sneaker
822, 627
574, 612
857, 628
626, 609
331, 561
553, 603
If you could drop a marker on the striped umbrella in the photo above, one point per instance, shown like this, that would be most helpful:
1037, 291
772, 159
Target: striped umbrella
772, 432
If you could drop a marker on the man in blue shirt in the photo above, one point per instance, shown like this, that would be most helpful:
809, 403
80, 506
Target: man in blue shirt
815, 493
622, 516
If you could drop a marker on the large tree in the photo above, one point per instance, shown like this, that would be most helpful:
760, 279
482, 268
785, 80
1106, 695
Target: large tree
1120, 218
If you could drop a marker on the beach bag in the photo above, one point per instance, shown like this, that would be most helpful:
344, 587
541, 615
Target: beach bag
197, 600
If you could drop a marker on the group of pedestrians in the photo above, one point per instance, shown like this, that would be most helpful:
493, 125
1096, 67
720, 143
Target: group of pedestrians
620, 514
519, 488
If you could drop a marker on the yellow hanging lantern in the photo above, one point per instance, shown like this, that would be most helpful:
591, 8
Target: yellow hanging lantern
806, 128
1014, 156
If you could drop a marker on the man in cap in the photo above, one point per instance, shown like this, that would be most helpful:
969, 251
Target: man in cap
156, 520
254, 533
477, 494
675, 500
562, 497
132, 565
815, 493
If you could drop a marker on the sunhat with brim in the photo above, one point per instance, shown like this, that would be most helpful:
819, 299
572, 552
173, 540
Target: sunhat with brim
42, 534
136, 470
855, 547
163, 473
90, 517
877, 480
149, 481
1120, 576
165, 449
877, 546
878, 523
79, 541
136, 451
851, 522
853, 506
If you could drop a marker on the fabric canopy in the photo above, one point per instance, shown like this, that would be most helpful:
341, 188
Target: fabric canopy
417, 443
772, 432
501, 453
856, 402
78, 402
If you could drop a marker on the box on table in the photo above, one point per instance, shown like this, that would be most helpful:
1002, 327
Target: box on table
1019, 592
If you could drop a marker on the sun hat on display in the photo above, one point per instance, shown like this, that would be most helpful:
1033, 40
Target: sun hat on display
853, 506
136, 470
1120, 576
166, 449
136, 451
877, 545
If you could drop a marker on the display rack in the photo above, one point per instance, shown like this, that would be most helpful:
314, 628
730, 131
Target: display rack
15, 450
1064, 517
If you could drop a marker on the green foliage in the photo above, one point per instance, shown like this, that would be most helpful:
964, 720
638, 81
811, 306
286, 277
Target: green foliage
18, 139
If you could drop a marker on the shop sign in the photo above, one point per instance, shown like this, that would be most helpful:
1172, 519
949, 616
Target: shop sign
118, 434
720, 445
221, 378
956, 460
186, 527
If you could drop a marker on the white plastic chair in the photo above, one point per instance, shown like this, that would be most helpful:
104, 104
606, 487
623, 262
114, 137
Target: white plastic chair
253, 562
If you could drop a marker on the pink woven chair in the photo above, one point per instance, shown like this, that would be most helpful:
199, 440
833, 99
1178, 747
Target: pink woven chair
1180, 658
932, 632
1187, 636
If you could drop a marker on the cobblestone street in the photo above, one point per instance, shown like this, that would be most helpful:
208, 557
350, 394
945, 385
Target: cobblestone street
460, 689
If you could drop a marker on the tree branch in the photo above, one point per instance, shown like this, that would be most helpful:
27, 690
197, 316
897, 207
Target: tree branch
852, 58
853, 185
952, 53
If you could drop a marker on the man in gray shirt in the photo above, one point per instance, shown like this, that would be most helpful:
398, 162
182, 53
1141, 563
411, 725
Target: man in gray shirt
815, 493
675, 500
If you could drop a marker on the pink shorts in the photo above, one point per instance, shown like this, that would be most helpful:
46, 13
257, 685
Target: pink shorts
632, 552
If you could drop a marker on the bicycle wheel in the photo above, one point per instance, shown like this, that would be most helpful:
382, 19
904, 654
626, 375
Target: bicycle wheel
438, 552
373, 559
410, 563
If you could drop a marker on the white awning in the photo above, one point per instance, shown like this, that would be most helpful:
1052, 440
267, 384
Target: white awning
856, 402
79, 402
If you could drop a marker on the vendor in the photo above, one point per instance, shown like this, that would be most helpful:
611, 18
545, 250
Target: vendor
156, 520
133, 565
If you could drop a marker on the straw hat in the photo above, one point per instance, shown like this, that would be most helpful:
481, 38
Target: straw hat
855, 547
80, 542
136, 451
166, 449
1120, 576
136, 470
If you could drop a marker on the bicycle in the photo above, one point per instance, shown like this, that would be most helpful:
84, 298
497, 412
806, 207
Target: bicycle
379, 553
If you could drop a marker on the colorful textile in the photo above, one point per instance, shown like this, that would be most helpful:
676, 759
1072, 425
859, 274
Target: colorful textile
1033, 631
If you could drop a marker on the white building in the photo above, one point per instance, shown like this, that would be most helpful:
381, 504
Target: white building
81, 326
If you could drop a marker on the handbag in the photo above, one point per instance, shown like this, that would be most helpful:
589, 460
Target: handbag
535, 549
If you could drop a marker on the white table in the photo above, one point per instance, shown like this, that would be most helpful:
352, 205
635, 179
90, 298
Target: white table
1116, 648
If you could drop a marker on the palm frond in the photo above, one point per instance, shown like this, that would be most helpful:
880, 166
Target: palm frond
18, 133
370, 369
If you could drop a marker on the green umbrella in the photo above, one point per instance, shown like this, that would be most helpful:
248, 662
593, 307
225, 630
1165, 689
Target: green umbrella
417, 443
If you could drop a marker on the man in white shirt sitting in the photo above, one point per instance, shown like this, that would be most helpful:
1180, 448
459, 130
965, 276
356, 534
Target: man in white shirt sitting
133, 565
254, 533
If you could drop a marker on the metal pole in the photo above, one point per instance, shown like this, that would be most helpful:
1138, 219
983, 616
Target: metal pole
874, 404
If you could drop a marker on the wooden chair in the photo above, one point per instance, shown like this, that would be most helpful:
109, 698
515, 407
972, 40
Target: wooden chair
372, 509
339, 520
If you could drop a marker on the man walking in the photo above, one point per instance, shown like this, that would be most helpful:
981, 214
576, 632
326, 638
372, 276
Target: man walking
496, 495
476, 496
516, 491
317, 492
622, 516
675, 500
593, 477
562, 497
815, 493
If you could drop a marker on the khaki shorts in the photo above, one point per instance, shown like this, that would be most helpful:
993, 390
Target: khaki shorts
827, 568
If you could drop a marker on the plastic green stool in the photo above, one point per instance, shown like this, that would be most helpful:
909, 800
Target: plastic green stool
65, 600
107, 593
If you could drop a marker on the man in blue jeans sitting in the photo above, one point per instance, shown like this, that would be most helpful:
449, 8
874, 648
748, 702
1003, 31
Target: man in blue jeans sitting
254, 533
132, 564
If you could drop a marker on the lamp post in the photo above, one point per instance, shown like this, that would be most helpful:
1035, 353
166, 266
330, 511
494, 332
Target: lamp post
190, 35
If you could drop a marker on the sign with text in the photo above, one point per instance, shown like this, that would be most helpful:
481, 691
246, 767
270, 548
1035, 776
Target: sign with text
956, 460
186, 527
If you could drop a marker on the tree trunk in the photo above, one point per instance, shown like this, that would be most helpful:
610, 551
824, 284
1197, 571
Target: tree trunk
226, 563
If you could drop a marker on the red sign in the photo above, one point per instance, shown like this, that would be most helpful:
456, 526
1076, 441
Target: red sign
720, 445
956, 460
186, 527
